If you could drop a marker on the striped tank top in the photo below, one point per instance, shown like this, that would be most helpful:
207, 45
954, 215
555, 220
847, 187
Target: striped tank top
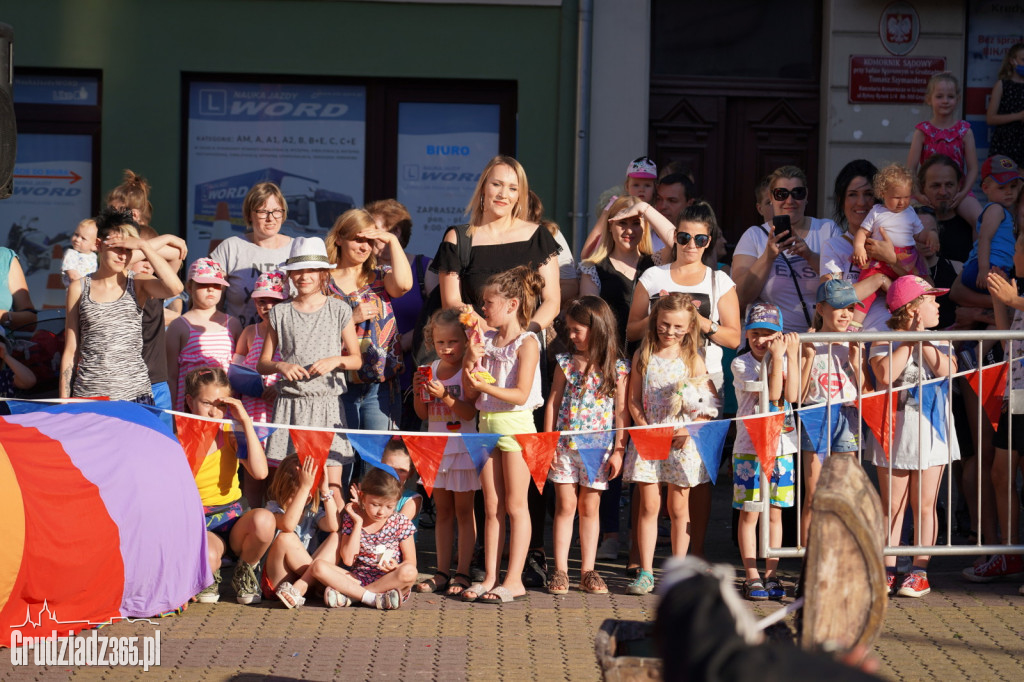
204, 348
110, 347
258, 409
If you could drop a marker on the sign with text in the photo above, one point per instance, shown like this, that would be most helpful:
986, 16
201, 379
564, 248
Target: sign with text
891, 80
441, 150
307, 139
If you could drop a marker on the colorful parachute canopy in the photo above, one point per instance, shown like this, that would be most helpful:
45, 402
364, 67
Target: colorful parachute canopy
99, 515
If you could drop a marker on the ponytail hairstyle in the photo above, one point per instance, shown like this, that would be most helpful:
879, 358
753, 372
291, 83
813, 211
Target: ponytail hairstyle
689, 345
605, 346
346, 227
133, 193
607, 243
522, 284
1006, 69
204, 376
380, 483
286, 483
701, 212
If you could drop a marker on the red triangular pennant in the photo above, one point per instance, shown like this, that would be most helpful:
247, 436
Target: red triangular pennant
764, 432
195, 436
993, 385
878, 416
538, 451
426, 453
315, 444
652, 444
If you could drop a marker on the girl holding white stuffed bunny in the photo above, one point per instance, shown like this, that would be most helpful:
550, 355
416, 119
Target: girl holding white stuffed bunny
669, 385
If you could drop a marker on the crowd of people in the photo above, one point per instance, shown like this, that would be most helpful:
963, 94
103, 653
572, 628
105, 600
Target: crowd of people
505, 331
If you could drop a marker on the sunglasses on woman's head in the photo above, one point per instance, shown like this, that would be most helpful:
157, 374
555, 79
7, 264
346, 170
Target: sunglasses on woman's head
701, 240
781, 193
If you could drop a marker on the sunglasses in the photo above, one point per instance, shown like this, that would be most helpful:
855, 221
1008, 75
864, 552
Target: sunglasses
781, 193
701, 240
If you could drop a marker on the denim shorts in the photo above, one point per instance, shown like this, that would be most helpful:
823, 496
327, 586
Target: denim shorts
844, 436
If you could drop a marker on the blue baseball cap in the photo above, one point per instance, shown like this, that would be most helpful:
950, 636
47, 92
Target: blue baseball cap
763, 315
838, 293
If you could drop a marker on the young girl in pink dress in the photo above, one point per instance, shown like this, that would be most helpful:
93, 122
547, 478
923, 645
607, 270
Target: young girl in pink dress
204, 336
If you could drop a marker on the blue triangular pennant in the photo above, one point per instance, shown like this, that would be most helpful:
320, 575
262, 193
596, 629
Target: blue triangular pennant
817, 428
480, 446
933, 405
594, 449
370, 447
242, 451
709, 437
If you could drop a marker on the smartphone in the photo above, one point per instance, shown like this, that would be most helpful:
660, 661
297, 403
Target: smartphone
782, 226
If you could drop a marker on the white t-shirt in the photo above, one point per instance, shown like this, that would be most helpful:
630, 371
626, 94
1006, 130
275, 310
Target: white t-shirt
244, 262
901, 227
839, 250
831, 377
746, 368
706, 296
779, 288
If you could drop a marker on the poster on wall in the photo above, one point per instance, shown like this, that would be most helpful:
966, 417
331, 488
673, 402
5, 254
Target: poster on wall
441, 150
992, 28
52, 193
307, 139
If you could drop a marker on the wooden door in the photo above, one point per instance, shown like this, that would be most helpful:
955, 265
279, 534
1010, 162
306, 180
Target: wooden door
733, 132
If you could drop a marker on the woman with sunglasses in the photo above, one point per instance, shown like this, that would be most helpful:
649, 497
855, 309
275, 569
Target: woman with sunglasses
783, 267
261, 249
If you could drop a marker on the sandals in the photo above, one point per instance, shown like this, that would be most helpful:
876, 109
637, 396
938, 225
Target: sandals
591, 582
455, 587
775, 589
499, 595
558, 582
644, 584
334, 599
388, 601
431, 584
476, 589
632, 572
289, 596
753, 590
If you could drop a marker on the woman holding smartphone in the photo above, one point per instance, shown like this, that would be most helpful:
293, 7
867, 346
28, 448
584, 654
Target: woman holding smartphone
778, 262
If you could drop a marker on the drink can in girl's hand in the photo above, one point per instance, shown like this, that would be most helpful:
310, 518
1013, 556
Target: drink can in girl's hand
427, 375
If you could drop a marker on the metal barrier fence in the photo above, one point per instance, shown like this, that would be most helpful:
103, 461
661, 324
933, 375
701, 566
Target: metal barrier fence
1013, 358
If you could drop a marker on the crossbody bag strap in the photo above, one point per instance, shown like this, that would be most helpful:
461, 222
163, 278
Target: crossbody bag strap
796, 283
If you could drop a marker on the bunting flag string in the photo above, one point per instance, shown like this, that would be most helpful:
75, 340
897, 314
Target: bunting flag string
653, 444
195, 437
426, 453
315, 444
993, 385
709, 437
765, 431
818, 428
370, 447
594, 448
878, 413
933, 403
538, 451
262, 432
480, 447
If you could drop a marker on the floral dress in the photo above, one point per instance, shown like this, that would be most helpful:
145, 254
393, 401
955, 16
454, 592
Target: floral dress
583, 409
672, 396
379, 340
948, 141
373, 546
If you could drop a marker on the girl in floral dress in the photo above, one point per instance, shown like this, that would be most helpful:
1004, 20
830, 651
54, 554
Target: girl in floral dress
589, 392
669, 385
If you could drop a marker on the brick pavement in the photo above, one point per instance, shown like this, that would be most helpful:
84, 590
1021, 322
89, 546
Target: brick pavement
959, 631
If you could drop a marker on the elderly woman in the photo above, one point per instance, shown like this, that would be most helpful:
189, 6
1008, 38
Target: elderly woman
500, 238
784, 269
261, 249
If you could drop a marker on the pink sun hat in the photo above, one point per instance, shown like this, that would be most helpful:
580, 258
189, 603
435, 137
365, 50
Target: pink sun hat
207, 271
270, 285
906, 289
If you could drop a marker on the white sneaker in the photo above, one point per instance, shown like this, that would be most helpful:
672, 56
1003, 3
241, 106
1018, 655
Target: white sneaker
608, 549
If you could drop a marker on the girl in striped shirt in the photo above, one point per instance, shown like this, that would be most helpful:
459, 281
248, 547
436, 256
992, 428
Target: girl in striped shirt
204, 336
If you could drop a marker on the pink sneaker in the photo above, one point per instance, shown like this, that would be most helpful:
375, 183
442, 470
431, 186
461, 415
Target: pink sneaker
890, 580
998, 567
915, 584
